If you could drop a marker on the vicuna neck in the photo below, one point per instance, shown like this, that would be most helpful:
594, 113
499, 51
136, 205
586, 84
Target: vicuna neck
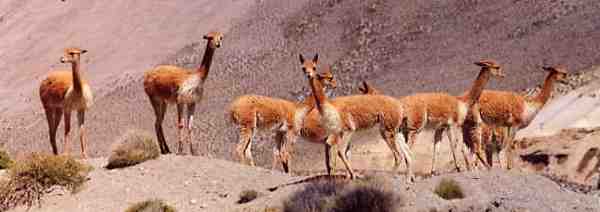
308, 102
318, 93
206, 61
77, 81
547, 89
478, 85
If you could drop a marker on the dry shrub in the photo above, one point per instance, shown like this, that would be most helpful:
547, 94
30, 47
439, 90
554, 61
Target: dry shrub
315, 197
152, 205
29, 180
449, 189
343, 196
365, 197
247, 196
133, 148
5, 160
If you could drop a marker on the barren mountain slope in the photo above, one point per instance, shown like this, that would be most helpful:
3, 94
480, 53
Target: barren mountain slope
399, 46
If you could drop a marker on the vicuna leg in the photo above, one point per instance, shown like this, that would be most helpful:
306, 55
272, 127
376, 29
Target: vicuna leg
290, 140
390, 139
67, 148
491, 148
244, 149
452, 142
159, 111
411, 136
279, 137
180, 128
53, 117
81, 122
408, 157
344, 138
283, 147
191, 110
509, 141
348, 150
330, 158
477, 145
437, 138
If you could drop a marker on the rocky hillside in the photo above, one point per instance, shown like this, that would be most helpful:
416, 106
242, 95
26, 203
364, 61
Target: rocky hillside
400, 46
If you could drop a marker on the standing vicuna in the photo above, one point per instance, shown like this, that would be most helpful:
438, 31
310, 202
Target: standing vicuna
441, 112
512, 111
251, 113
167, 84
62, 92
343, 116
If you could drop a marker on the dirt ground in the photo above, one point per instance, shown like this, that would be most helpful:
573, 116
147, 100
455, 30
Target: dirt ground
204, 184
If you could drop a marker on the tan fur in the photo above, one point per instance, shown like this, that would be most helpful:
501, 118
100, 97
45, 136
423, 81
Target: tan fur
442, 112
342, 116
62, 92
167, 84
252, 112
511, 111
502, 108
56, 91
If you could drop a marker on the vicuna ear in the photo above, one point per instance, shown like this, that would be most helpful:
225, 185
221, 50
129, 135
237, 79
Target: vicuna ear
363, 88
301, 58
83, 51
316, 58
480, 64
365, 85
205, 37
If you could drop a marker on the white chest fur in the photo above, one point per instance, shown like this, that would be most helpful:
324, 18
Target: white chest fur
529, 112
462, 112
76, 101
331, 119
299, 116
191, 90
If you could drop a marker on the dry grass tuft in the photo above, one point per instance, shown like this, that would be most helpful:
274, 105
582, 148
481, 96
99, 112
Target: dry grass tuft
152, 205
247, 196
29, 180
449, 189
342, 196
133, 148
5, 160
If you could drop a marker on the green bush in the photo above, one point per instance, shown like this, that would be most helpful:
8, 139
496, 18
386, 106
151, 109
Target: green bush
449, 189
37, 175
5, 160
153, 205
133, 148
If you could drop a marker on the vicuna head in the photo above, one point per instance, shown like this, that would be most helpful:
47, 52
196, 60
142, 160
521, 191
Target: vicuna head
214, 39
309, 67
326, 78
72, 55
491, 66
559, 72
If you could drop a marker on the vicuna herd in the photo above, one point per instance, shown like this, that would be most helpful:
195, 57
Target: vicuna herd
481, 116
